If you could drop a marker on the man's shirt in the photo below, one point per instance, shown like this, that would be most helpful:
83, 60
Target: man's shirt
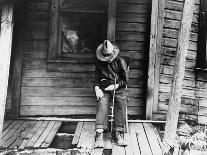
108, 71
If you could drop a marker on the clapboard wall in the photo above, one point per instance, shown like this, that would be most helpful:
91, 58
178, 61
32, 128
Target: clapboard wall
132, 32
191, 86
70, 92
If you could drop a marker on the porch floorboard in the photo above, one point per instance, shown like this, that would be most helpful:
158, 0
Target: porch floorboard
142, 139
24, 134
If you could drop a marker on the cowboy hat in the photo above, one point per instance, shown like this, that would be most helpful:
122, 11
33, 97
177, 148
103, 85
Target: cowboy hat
107, 51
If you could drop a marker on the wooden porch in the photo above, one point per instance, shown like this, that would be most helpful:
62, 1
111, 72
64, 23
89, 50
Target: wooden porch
142, 138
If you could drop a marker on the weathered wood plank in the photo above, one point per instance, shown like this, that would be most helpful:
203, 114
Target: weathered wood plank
153, 55
77, 133
173, 43
6, 32
134, 142
111, 25
170, 33
17, 58
42, 73
176, 6
178, 73
131, 17
87, 137
132, 8
69, 110
187, 91
51, 135
173, 24
134, 1
169, 70
37, 16
10, 133
52, 91
52, 101
44, 135
169, 51
129, 147
9, 128
163, 97
35, 34
131, 27
71, 82
187, 109
191, 64
152, 138
23, 135
14, 137
188, 82
177, 15
36, 136
30, 135
130, 36
36, 6
141, 138
7, 123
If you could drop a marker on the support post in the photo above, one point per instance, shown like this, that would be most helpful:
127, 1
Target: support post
5, 54
111, 27
178, 74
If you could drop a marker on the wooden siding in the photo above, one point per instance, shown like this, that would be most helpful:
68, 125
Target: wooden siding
69, 91
192, 93
132, 34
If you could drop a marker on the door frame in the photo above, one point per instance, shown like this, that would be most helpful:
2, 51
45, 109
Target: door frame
155, 50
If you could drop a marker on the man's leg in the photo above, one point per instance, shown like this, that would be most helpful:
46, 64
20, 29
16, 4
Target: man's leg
101, 119
120, 116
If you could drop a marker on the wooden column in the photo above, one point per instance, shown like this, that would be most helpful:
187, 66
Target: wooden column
17, 58
152, 55
178, 74
155, 50
5, 54
111, 28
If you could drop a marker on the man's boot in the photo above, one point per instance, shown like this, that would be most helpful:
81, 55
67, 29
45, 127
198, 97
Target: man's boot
99, 142
120, 139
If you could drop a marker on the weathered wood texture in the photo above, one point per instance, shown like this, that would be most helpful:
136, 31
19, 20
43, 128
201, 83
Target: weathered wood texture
178, 72
6, 32
192, 93
142, 139
65, 88
23, 134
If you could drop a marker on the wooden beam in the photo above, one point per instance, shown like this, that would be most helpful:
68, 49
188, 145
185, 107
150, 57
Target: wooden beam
53, 30
111, 27
5, 54
17, 59
178, 74
155, 50
79, 120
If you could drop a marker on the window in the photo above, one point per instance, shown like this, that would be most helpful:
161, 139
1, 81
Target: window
77, 27
202, 41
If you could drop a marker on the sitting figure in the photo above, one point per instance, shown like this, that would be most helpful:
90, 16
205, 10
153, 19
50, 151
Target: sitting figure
111, 73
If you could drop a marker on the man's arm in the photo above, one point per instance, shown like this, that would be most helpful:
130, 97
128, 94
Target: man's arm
99, 92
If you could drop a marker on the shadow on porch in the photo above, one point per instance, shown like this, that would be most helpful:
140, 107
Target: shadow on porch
75, 138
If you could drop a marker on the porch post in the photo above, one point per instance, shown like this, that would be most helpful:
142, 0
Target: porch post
178, 75
111, 27
5, 54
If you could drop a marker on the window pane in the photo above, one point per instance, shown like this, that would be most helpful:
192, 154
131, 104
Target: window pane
82, 30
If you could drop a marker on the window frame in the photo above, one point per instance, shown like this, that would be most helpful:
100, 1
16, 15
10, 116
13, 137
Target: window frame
201, 64
54, 49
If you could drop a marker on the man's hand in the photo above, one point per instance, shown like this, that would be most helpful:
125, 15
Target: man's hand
99, 92
111, 87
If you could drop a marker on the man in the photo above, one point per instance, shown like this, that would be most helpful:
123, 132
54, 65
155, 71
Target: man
110, 68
